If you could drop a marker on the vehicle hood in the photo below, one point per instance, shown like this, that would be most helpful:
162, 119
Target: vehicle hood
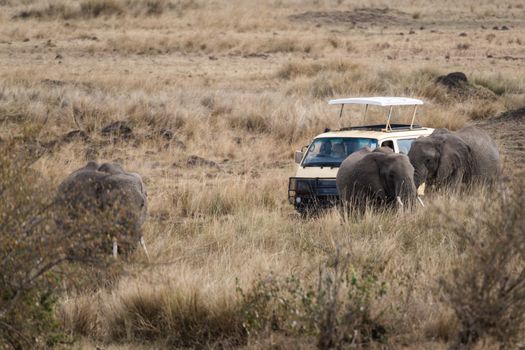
313, 172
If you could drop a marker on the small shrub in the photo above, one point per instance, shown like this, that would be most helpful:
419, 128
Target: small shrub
486, 289
180, 318
335, 309
482, 110
95, 8
35, 252
463, 46
253, 122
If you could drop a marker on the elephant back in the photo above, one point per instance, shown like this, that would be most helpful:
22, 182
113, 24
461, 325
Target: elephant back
485, 154
102, 198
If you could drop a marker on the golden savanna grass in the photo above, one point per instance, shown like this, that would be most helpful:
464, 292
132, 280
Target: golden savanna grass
243, 84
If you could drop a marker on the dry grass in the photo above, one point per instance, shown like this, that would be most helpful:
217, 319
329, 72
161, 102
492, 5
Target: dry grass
242, 84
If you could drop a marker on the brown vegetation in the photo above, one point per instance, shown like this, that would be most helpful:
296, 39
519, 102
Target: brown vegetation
207, 101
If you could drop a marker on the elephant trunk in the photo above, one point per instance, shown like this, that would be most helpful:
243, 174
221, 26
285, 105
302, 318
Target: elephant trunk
420, 173
405, 191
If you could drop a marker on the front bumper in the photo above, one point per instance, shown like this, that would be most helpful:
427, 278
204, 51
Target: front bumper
312, 193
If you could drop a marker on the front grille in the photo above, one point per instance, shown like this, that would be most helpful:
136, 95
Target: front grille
312, 191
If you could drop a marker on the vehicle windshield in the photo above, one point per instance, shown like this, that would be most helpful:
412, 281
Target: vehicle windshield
332, 151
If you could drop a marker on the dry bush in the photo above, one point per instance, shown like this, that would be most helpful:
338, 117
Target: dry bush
483, 110
38, 256
336, 309
499, 84
486, 288
106, 8
178, 318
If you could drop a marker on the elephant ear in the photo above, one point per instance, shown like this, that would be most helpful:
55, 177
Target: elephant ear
454, 160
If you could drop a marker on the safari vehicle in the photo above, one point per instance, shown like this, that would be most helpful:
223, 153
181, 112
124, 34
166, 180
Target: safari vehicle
313, 187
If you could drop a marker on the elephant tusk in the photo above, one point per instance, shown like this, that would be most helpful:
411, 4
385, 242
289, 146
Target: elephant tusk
399, 201
421, 189
420, 201
115, 248
143, 245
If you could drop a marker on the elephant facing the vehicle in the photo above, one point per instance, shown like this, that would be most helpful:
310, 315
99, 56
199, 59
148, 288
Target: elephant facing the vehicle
447, 158
378, 177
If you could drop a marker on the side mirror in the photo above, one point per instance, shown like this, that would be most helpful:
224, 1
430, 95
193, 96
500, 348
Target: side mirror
298, 156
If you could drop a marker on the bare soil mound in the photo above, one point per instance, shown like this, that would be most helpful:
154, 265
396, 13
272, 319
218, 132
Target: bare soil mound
509, 132
371, 16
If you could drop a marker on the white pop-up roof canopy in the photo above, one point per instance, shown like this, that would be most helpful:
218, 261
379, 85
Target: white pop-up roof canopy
380, 101
377, 101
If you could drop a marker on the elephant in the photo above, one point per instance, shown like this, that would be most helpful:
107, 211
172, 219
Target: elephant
379, 177
104, 200
446, 158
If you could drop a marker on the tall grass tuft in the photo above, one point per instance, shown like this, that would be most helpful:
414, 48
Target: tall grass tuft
486, 288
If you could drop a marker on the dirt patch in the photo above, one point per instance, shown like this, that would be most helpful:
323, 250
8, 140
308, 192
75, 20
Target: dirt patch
359, 16
508, 131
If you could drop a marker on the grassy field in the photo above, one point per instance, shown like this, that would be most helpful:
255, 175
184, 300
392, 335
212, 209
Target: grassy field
242, 84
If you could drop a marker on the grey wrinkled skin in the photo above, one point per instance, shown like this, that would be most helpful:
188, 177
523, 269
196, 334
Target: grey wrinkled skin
447, 158
376, 177
108, 196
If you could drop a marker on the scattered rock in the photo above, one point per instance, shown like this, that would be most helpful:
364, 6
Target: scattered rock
463, 34
75, 135
452, 79
194, 161
53, 82
212, 58
411, 32
495, 28
119, 129
166, 134
59, 57
177, 143
504, 28
256, 55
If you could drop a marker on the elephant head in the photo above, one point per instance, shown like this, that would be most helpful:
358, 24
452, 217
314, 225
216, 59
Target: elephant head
379, 176
396, 175
439, 159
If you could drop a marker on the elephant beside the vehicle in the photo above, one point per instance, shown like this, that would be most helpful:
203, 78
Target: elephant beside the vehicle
377, 177
103, 200
446, 158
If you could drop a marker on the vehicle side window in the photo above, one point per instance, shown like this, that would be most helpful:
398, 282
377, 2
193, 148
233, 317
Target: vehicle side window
388, 143
404, 145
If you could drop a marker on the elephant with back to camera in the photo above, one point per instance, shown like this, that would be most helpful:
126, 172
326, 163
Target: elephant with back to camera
102, 202
444, 158
378, 177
